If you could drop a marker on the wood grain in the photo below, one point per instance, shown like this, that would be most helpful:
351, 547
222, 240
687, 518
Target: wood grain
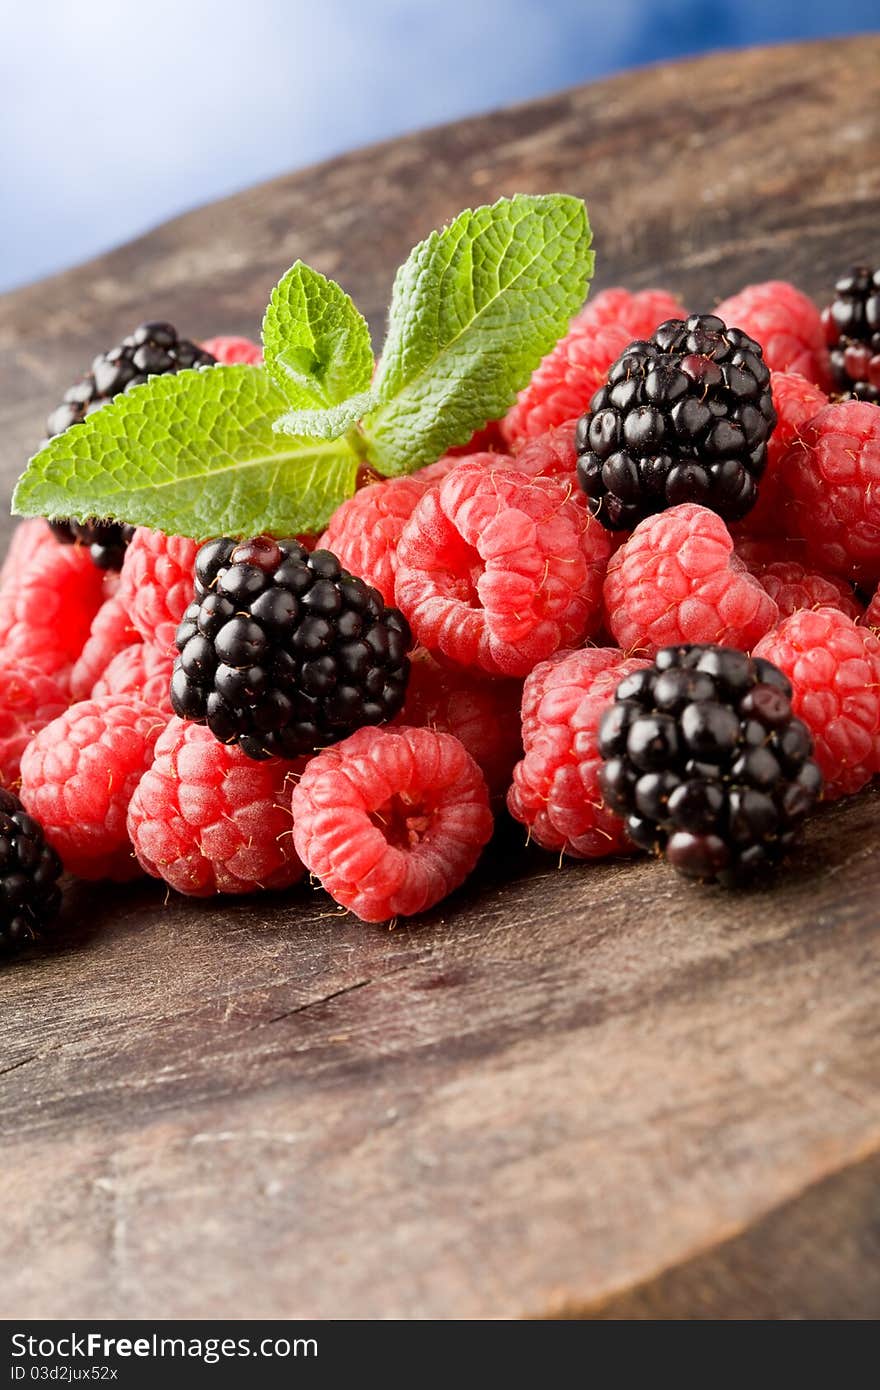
577, 1092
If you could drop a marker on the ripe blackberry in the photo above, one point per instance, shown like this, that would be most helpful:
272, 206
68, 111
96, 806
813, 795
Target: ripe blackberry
283, 652
707, 762
153, 349
683, 417
107, 540
852, 332
29, 872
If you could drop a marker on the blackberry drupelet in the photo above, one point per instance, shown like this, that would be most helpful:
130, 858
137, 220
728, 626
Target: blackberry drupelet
706, 761
683, 417
29, 872
153, 349
283, 652
852, 332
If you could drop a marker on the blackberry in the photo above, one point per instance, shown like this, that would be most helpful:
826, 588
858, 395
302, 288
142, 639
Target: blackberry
153, 349
29, 872
283, 652
706, 761
852, 332
683, 417
107, 540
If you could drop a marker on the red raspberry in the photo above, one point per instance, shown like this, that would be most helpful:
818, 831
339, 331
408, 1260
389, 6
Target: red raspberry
391, 820
555, 788
498, 570
872, 612
207, 819
229, 350
562, 386
141, 669
111, 632
831, 476
78, 776
551, 455
433, 472
28, 702
797, 401
364, 531
156, 583
757, 552
482, 714
638, 313
28, 539
834, 669
47, 610
793, 585
487, 440
677, 580
787, 325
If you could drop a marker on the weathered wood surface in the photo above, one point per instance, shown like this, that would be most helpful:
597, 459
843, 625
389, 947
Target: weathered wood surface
567, 1092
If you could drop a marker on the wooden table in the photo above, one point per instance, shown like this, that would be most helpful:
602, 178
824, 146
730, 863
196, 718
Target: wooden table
577, 1091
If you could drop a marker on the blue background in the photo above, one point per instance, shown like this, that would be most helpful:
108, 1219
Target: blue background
116, 114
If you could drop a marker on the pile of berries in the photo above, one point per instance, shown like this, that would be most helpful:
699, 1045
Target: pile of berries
636, 614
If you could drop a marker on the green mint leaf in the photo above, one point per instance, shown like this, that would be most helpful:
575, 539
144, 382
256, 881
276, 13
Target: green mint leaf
329, 423
316, 344
194, 454
474, 309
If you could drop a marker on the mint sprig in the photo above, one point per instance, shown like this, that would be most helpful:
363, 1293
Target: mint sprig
238, 450
474, 309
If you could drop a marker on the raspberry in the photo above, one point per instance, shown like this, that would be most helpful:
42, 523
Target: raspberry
561, 387
550, 455
787, 325
156, 583
364, 531
28, 540
487, 440
831, 477
796, 401
111, 632
78, 776
434, 472
482, 714
28, 702
230, 350
140, 669
757, 552
391, 820
48, 607
834, 669
283, 652
207, 819
707, 763
499, 570
555, 788
677, 580
29, 872
640, 314
793, 586
852, 332
872, 612
683, 417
